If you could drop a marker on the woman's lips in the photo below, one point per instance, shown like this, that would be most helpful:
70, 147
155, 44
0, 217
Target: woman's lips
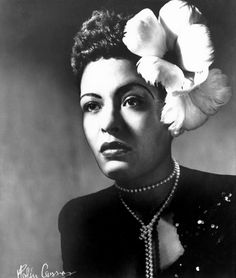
113, 149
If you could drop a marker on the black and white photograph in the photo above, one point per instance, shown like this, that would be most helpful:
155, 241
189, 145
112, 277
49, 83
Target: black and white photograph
117, 139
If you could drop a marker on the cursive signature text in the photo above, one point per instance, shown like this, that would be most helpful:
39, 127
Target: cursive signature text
26, 271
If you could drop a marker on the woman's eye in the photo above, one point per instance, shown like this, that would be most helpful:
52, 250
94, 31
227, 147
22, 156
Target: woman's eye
91, 107
132, 102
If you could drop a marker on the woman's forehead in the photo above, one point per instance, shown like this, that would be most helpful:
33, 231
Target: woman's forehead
108, 75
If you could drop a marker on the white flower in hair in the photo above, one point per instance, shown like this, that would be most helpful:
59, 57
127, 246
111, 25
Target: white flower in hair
206, 99
195, 48
175, 16
173, 113
193, 93
155, 70
144, 35
194, 117
211, 94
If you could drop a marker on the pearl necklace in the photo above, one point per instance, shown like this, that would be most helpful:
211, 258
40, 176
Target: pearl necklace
148, 187
146, 230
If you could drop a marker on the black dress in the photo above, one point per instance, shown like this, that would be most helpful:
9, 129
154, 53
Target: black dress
100, 238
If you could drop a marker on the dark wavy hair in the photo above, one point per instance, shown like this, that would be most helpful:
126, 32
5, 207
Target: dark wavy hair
100, 37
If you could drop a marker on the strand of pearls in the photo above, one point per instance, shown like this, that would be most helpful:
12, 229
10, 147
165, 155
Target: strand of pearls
148, 187
146, 230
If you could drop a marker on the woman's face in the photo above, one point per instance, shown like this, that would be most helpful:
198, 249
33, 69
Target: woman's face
121, 119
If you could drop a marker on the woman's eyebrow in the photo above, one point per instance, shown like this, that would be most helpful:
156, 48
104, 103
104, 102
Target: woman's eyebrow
90, 95
129, 86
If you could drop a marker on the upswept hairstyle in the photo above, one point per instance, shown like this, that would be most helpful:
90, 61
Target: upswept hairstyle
100, 37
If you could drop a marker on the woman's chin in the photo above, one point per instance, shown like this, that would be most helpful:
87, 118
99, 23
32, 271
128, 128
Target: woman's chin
116, 170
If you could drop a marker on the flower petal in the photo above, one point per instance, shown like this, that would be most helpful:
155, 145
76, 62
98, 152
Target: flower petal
175, 15
191, 81
182, 114
154, 70
200, 76
195, 48
194, 117
212, 94
144, 35
173, 113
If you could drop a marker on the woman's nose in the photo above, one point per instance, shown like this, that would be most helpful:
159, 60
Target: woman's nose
110, 121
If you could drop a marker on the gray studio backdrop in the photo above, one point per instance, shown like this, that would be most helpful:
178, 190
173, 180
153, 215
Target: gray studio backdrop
44, 159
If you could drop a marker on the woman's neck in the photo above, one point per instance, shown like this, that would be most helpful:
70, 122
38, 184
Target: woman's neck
146, 203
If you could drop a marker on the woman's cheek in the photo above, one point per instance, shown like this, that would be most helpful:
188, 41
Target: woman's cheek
135, 119
90, 126
142, 121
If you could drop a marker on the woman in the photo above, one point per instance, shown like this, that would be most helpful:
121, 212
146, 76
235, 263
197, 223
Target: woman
159, 219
